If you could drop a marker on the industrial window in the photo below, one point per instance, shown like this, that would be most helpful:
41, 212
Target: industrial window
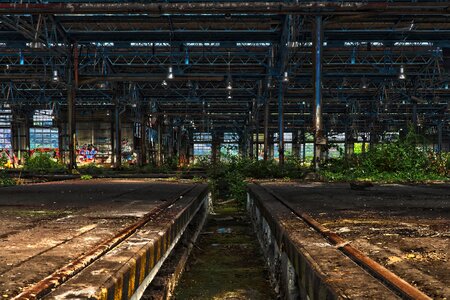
5, 128
287, 144
43, 138
43, 117
308, 150
202, 149
230, 137
5, 138
229, 149
202, 144
202, 137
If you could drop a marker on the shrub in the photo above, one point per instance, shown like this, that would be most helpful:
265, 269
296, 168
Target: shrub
5, 179
392, 162
43, 163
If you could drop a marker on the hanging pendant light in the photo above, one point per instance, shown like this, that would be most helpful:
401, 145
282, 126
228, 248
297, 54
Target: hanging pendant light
364, 83
402, 75
55, 77
286, 77
170, 73
229, 83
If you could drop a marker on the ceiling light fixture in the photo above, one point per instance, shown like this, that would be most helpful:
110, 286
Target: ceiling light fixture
170, 73
55, 77
402, 75
286, 77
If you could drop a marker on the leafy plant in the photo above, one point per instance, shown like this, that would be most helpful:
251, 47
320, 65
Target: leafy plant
43, 163
400, 161
86, 177
5, 179
91, 169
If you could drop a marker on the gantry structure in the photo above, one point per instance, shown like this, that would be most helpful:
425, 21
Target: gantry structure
258, 68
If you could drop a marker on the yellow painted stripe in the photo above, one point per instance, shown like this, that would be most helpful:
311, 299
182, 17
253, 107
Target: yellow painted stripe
103, 294
118, 286
142, 269
132, 279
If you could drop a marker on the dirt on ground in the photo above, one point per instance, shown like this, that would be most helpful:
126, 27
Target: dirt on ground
45, 226
227, 262
405, 228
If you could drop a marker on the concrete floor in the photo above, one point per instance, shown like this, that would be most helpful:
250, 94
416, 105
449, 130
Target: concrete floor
45, 226
403, 227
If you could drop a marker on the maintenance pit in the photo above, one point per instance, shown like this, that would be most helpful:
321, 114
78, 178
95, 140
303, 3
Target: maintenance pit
57, 226
404, 228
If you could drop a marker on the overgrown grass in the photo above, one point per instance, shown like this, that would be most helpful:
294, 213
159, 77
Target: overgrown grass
229, 179
42, 163
400, 161
5, 179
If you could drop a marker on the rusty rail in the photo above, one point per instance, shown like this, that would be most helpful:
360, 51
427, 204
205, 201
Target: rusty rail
390, 279
43, 287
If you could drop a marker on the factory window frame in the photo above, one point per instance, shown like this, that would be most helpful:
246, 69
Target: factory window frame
202, 144
5, 128
43, 135
43, 138
43, 118
288, 137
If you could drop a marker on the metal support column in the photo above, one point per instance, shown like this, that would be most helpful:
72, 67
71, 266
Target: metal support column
319, 139
143, 140
266, 129
160, 151
71, 122
117, 137
280, 124
71, 126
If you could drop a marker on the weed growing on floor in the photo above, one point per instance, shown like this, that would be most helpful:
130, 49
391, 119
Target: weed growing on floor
228, 178
400, 161
5, 179
86, 177
43, 163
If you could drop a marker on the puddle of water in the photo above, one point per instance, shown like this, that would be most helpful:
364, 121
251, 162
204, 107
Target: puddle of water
227, 262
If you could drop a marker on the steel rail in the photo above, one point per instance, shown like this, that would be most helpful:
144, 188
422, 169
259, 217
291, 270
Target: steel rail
216, 8
43, 287
390, 279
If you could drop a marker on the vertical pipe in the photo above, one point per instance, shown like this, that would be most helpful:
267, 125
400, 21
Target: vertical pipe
317, 117
143, 140
280, 124
160, 154
71, 125
117, 138
257, 119
266, 129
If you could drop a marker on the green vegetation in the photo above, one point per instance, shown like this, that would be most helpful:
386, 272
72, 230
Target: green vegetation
92, 169
5, 179
228, 179
86, 177
43, 163
400, 161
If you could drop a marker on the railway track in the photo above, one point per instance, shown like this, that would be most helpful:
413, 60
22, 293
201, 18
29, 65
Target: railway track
385, 276
63, 274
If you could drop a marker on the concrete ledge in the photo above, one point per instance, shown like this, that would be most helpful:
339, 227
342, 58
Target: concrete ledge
127, 270
304, 265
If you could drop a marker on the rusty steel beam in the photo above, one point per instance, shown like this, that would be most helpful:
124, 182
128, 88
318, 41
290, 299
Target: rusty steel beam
302, 8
